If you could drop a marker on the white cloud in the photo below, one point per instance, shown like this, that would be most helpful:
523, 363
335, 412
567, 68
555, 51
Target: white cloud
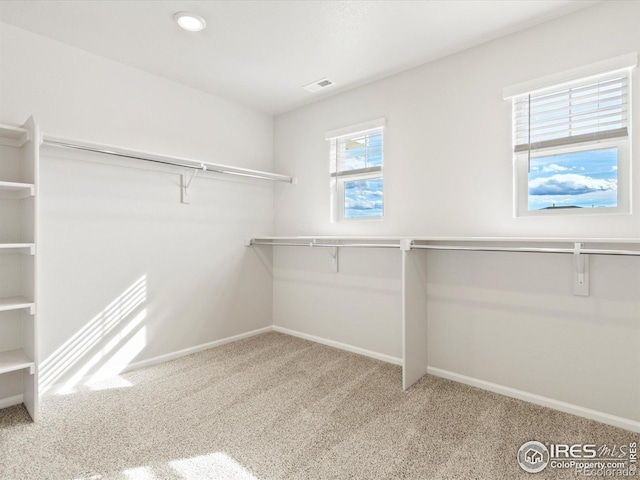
570, 184
553, 168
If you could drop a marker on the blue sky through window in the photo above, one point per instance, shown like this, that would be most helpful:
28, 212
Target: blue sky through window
362, 157
586, 179
363, 198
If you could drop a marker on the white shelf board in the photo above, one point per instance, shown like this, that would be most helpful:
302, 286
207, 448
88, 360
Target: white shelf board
15, 303
13, 360
19, 246
16, 190
13, 136
54, 142
629, 240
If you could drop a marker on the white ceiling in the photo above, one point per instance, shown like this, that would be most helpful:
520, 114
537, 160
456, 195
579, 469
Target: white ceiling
260, 53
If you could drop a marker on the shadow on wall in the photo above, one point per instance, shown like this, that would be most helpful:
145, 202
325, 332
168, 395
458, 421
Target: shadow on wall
103, 347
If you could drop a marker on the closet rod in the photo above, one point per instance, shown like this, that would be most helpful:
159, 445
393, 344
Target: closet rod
202, 166
329, 245
585, 251
469, 248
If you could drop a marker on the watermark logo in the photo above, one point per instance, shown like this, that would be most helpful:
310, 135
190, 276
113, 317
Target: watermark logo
584, 459
533, 457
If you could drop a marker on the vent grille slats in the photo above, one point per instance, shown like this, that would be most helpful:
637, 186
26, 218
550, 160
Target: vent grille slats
319, 85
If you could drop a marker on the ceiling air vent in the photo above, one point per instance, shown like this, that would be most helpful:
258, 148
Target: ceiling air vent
318, 85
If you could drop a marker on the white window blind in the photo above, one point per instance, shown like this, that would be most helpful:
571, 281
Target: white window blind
577, 112
357, 154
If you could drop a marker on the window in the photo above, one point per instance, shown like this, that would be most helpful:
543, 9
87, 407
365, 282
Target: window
356, 161
571, 146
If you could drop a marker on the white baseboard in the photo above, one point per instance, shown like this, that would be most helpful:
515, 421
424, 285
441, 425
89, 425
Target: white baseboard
59, 387
11, 401
341, 346
198, 348
577, 410
570, 408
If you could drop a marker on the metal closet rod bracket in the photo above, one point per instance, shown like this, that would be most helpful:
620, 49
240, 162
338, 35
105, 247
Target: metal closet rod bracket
581, 272
333, 253
185, 184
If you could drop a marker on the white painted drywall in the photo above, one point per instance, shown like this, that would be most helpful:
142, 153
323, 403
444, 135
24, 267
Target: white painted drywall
361, 305
104, 227
448, 150
511, 319
505, 318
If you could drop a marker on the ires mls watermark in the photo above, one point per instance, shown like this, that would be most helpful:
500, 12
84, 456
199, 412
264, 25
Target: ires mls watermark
585, 459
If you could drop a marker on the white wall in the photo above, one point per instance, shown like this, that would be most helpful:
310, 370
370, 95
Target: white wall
448, 137
448, 172
105, 226
358, 306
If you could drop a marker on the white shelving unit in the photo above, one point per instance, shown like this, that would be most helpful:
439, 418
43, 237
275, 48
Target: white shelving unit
19, 156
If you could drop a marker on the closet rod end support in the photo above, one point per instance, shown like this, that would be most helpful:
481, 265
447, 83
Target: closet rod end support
405, 244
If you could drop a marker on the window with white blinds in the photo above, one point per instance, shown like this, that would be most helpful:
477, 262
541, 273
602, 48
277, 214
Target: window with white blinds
571, 140
356, 171
583, 111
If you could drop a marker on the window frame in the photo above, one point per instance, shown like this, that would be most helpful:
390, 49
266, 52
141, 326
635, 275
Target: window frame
338, 178
623, 63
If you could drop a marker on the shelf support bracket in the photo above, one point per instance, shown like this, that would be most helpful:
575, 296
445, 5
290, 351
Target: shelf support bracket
581, 272
32, 369
335, 257
32, 310
333, 253
185, 183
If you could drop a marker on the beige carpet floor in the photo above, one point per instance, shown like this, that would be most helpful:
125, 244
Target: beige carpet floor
277, 407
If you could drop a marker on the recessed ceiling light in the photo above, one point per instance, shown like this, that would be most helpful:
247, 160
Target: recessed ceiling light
190, 21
